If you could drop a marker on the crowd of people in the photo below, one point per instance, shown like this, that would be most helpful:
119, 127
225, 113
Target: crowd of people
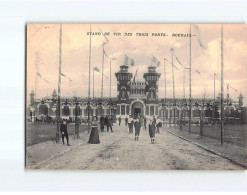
131, 123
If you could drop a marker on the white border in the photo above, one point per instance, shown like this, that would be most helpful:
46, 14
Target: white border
13, 17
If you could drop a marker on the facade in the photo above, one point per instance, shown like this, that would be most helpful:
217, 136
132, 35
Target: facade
134, 99
137, 98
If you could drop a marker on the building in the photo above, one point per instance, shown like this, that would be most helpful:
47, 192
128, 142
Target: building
137, 98
134, 99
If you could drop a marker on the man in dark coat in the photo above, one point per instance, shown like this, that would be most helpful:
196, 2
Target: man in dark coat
109, 124
119, 120
126, 121
137, 129
102, 123
131, 126
154, 122
63, 129
145, 122
151, 131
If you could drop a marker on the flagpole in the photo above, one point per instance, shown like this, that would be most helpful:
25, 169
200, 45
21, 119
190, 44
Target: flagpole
36, 86
222, 88
190, 85
173, 86
89, 80
184, 83
59, 83
165, 84
110, 78
102, 74
93, 64
214, 86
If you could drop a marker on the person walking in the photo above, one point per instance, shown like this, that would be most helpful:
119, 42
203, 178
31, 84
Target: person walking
158, 125
151, 131
63, 129
154, 122
94, 135
119, 120
137, 129
102, 123
131, 126
109, 124
126, 121
145, 123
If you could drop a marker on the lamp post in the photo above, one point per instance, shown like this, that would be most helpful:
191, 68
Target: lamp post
77, 112
110, 74
173, 85
102, 69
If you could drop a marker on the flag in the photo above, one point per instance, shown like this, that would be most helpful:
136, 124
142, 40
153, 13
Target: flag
128, 61
96, 69
134, 79
103, 35
39, 75
171, 63
197, 71
233, 89
155, 61
106, 54
132, 63
70, 80
197, 29
179, 62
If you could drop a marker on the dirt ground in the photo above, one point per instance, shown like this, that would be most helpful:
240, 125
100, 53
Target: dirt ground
119, 151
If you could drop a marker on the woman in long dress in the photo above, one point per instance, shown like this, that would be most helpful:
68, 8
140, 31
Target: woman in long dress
94, 135
152, 130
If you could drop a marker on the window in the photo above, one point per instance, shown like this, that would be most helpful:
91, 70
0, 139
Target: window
118, 110
127, 109
122, 109
90, 111
152, 95
196, 112
66, 111
147, 110
43, 110
123, 94
156, 110
151, 110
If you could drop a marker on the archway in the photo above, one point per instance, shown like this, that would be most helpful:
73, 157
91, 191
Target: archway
43, 109
137, 109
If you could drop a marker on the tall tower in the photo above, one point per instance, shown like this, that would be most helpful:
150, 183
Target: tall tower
123, 83
54, 94
151, 79
240, 100
32, 95
123, 89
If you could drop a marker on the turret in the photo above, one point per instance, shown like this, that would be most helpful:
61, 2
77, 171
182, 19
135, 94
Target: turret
123, 83
240, 100
151, 79
54, 94
32, 95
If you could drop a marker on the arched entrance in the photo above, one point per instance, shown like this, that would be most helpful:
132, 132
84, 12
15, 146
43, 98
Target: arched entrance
137, 109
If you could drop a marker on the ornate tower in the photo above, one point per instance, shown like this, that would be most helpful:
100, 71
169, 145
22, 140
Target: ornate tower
54, 94
151, 79
123, 83
32, 94
240, 100
123, 88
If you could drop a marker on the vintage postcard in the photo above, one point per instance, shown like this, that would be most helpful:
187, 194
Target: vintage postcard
136, 96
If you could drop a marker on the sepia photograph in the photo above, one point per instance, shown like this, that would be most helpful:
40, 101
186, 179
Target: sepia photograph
135, 96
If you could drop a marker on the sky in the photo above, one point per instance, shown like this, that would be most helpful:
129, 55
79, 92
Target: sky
43, 57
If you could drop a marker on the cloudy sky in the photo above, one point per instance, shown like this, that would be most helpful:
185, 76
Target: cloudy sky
43, 56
